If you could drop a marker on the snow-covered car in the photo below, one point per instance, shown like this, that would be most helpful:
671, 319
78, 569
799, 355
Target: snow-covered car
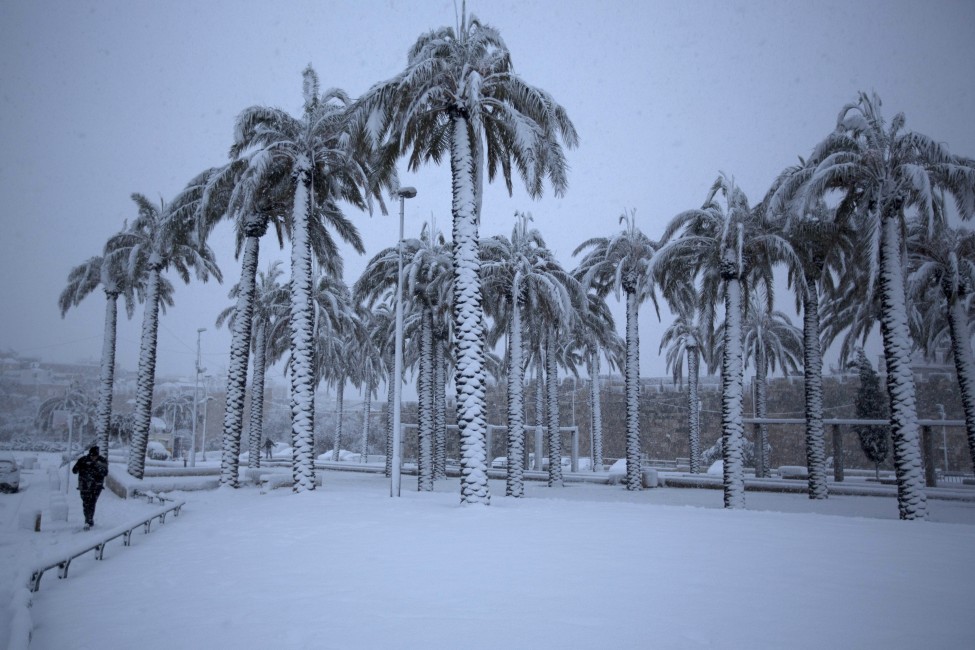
9, 475
157, 450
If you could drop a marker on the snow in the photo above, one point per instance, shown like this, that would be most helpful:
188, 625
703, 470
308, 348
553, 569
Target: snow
580, 566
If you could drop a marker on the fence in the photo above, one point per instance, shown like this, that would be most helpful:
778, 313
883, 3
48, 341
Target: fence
931, 472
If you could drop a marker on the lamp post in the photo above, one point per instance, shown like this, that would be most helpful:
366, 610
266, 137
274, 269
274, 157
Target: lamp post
394, 483
196, 390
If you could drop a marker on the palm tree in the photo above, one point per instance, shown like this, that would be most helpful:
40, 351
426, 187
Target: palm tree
770, 340
77, 402
728, 247
823, 240
459, 93
337, 325
942, 282
269, 313
521, 273
427, 284
889, 170
108, 272
327, 162
162, 236
227, 195
684, 338
623, 262
180, 408
592, 338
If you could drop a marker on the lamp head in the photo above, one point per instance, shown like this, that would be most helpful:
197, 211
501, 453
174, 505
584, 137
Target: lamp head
406, 192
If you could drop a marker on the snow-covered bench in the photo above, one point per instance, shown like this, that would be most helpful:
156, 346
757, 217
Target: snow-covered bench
797, 472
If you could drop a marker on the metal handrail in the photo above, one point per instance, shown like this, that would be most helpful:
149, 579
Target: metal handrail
63, 560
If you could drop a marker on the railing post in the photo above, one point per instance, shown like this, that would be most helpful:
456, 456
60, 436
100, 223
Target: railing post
927, 442
837, 454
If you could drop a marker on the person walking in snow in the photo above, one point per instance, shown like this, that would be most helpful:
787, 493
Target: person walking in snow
91, 470
268, 446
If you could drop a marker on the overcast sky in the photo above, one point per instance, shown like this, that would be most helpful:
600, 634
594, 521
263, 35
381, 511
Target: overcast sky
102, 99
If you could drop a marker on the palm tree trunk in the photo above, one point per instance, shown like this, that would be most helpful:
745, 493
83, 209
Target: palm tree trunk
424, 461
632, 392
339, 407
552, 390
515, 484
961, 350
468, 330
256, 425
302, 339
107, 378
439, 406
240, 345
693, 408
390, 399
812, 356
147, 377
911, 499
539, 414
762, 455
366, 405
732, 427
596, 411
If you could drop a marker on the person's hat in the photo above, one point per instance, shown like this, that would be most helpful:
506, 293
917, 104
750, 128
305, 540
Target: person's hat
94, 449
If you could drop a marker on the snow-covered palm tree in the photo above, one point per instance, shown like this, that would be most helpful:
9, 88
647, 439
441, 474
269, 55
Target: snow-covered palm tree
269, 312
522, 274
594, 337
770, 341
179, 408
459, 95
427, 287
684, 339
623, 262
253, 209
727, 247
109, 273
76, 401
327, 162
823, 240
336, 327
891, 170
942, 283
163, 236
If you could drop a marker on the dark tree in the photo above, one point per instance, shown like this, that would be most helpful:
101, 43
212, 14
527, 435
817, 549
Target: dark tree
871, 404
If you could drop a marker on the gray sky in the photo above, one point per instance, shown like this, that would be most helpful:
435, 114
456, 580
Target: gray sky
102, 99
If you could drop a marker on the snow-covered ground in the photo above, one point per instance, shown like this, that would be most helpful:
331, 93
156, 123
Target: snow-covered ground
584, 566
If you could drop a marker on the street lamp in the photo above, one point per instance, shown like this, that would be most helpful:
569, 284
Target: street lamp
394, 484
196, 390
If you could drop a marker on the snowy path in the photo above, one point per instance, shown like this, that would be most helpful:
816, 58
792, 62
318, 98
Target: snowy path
346, 566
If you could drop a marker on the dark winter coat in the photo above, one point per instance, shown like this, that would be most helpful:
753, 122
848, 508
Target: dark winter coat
91, 471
